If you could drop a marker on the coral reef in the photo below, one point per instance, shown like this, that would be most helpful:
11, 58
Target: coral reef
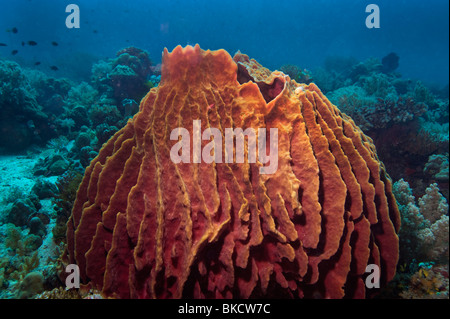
19, 257
437, 167
337, 72
424, 234
53, 165
68, 184
61, 293
22, 119
60, 125
375, 113
424, 239
297, 74
27, 245
35, 108
407, 122
429, 282
124, 77
20, 211
32, 284
145, 227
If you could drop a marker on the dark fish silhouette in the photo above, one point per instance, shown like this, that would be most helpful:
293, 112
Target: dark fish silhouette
54, 43
3, 45
37, 63
23, 43
54, 68
390, 63
14, 52
13, 30
32, 43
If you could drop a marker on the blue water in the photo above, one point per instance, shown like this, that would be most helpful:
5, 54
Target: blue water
273, 32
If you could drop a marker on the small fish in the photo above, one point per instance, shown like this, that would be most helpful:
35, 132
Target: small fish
54, 68
95, 31
54, 43
23, 43
37, 63
3, 45
13, 30
32, 43
14, 52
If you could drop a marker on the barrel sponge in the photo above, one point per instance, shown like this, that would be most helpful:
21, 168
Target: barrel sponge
145, 227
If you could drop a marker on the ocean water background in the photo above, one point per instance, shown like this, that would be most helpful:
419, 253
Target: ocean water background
301, 32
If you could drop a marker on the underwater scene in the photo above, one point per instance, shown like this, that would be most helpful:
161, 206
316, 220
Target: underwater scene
253, 149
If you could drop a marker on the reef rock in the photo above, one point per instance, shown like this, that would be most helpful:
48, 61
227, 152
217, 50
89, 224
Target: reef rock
145, 227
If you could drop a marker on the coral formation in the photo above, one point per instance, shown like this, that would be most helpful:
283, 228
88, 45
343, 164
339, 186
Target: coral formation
297, 74
68, 184
145, 227
429, 282
437, 167
34, 108
22, 119
375, 113
20, 212
337, 71
61, 293
19, 257
124, 77
425, 228
44, 188
32, 284
406, 121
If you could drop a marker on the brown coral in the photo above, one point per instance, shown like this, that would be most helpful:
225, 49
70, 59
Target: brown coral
428, 283
145, 227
